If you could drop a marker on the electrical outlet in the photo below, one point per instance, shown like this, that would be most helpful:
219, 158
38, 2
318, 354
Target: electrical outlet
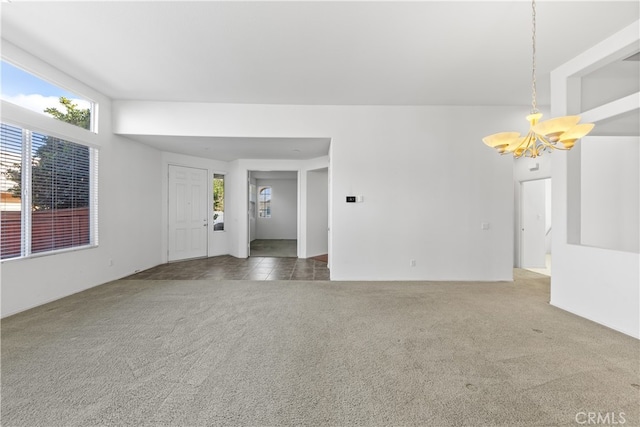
412, 263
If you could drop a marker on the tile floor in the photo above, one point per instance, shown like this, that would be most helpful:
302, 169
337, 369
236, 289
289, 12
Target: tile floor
274, 248
230, 268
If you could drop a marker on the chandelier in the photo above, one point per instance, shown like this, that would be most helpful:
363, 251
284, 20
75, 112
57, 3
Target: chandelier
556, 134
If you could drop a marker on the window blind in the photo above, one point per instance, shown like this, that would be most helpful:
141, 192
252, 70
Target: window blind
60, 194
11, 191
49, 193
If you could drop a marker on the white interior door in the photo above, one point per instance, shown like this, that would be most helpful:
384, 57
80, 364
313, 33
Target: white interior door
533, 224
317, 212
188, 212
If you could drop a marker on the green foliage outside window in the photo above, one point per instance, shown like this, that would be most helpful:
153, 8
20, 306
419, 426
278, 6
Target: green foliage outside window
53, 186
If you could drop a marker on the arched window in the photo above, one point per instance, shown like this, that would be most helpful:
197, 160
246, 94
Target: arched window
264, 202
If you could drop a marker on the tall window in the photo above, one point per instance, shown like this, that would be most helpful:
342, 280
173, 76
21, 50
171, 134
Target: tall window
264, 202
218, 202
49, 193
48, 184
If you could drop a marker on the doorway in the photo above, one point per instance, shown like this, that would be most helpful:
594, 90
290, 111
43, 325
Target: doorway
273, 213
535, 226
188, 213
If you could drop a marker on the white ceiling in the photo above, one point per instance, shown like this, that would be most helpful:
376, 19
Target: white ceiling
333, 53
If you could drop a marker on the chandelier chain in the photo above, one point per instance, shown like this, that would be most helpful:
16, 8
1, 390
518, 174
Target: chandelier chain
534, 106
560, 133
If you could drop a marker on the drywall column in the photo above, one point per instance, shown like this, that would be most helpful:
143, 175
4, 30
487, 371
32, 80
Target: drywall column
600, 284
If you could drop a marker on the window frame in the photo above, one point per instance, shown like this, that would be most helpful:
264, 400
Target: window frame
267, 203
222, 177
26, 193
93, 109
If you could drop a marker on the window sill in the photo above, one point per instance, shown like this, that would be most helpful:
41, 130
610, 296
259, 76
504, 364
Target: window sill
49, 253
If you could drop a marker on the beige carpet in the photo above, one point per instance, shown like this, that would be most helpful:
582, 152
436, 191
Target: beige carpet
241, 353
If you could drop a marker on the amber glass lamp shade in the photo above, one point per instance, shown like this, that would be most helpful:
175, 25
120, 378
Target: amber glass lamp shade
556, 134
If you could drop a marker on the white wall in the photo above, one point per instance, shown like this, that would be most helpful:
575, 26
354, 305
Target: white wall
428, 182
610, 193
598, 91
129, 210
317, 212
283, 223
600, 284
